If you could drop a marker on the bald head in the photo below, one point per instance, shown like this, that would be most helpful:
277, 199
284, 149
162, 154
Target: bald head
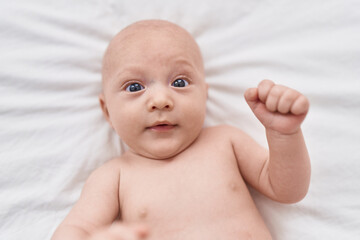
149, 38
152, 25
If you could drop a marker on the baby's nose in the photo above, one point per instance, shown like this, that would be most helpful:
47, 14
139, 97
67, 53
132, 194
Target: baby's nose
160, 100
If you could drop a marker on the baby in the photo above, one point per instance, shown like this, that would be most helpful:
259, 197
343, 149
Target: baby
178, 180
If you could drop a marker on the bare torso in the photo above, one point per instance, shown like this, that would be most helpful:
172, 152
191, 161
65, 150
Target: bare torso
199, 194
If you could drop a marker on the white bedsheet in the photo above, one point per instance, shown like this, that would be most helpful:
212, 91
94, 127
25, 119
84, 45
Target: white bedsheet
52, 133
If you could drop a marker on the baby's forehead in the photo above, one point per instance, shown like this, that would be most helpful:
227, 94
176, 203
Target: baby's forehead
150, 36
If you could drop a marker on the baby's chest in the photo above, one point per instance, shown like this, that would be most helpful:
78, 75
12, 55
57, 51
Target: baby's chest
205, 185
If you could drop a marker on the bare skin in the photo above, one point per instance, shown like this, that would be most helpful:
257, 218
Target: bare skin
179, 180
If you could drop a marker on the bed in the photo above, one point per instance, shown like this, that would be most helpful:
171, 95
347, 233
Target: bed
53, 134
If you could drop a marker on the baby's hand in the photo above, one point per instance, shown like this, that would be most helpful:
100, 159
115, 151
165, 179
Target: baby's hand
278, 108
119, 231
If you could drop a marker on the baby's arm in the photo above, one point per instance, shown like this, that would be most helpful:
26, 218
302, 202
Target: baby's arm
93, 215
283, 172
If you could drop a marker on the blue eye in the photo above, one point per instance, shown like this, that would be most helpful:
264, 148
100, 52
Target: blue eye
180, 83
134, 87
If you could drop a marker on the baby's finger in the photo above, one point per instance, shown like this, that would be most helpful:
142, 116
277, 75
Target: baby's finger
141, 231
264, 88
113, 233
287, 100
251, 95
273, 97
300, 106
123, 232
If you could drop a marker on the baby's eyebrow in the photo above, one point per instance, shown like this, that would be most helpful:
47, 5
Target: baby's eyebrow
182, 61
129, 71
189, 67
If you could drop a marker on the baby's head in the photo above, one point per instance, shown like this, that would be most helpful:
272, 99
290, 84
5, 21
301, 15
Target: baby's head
154, 91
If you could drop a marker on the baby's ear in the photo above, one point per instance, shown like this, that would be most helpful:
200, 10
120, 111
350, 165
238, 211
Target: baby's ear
104, 108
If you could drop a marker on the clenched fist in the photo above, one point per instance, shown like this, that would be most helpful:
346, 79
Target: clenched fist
277, 107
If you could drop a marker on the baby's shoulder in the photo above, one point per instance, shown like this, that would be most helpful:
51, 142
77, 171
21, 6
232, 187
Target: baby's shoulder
223, 134
110, 168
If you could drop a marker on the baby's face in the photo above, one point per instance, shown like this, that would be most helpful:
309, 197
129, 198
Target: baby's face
154, 93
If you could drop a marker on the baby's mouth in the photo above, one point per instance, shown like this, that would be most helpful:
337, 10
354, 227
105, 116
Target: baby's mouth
162, 127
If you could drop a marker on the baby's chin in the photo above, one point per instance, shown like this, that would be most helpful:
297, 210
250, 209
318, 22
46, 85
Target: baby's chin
161, 151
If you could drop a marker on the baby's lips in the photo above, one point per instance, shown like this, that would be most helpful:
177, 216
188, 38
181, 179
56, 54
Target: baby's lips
162, 127
163, 123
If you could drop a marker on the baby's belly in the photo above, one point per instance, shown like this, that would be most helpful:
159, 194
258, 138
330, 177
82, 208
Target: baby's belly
201, 198
229, 215
219, 229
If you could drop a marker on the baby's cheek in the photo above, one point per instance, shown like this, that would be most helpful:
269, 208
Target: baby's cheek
197, 117
123, 123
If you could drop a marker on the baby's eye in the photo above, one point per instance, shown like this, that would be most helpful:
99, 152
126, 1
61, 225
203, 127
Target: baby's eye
180, 83
134, 87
